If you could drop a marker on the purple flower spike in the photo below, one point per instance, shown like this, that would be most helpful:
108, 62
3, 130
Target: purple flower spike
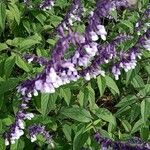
143, 22
73, 14
34, 130
107, 143
16, 129
128, 60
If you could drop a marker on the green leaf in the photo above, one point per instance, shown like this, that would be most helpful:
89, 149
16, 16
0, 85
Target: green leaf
2, 15
7, 121
126, 125
22, 64
128, 24
144, 132
27, 26
51, 42
129, 76
55, 20
19, 145
44, 103
135, 112
8, 66
67, 131
66, 94
61, 3
91, 96
112, 84
114, 14
126, 101
78, 114
101, 84
145, 110
7, 85
13, 10
83, 96
1, 126
137, 126
147, 68
105, 114
29, 42
2, 144
137, 82
41, 18
145, 91
80, 138
3, 46
47, 103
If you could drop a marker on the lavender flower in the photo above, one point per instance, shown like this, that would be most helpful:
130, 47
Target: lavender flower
16, 129
106, 52
34, 130
32, 58
128, 59
146, 42
94, 30
143, 22
117, 145
47, 4
73, 14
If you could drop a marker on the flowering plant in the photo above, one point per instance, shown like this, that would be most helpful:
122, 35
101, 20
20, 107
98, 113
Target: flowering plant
82, 74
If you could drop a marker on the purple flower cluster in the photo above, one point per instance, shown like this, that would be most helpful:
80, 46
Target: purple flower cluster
128, 60
86, 62
47, 4
143, 22
16, 129
35, 130
73, 14
135, 144
33, 58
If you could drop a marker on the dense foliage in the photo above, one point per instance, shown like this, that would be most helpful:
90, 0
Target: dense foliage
88, 85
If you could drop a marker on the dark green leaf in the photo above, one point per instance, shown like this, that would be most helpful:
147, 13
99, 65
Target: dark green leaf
67, 131
78, 114
79, 139
8, 85
66, 94
105, 115
22, 64
112, 84
2, 15
9, 64
101, 84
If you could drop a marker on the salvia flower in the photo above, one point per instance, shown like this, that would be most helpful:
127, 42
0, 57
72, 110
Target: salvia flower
33, 58
107, 143
47, 4
35, 130
16, 129
128, 60
73, 14
143, 22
